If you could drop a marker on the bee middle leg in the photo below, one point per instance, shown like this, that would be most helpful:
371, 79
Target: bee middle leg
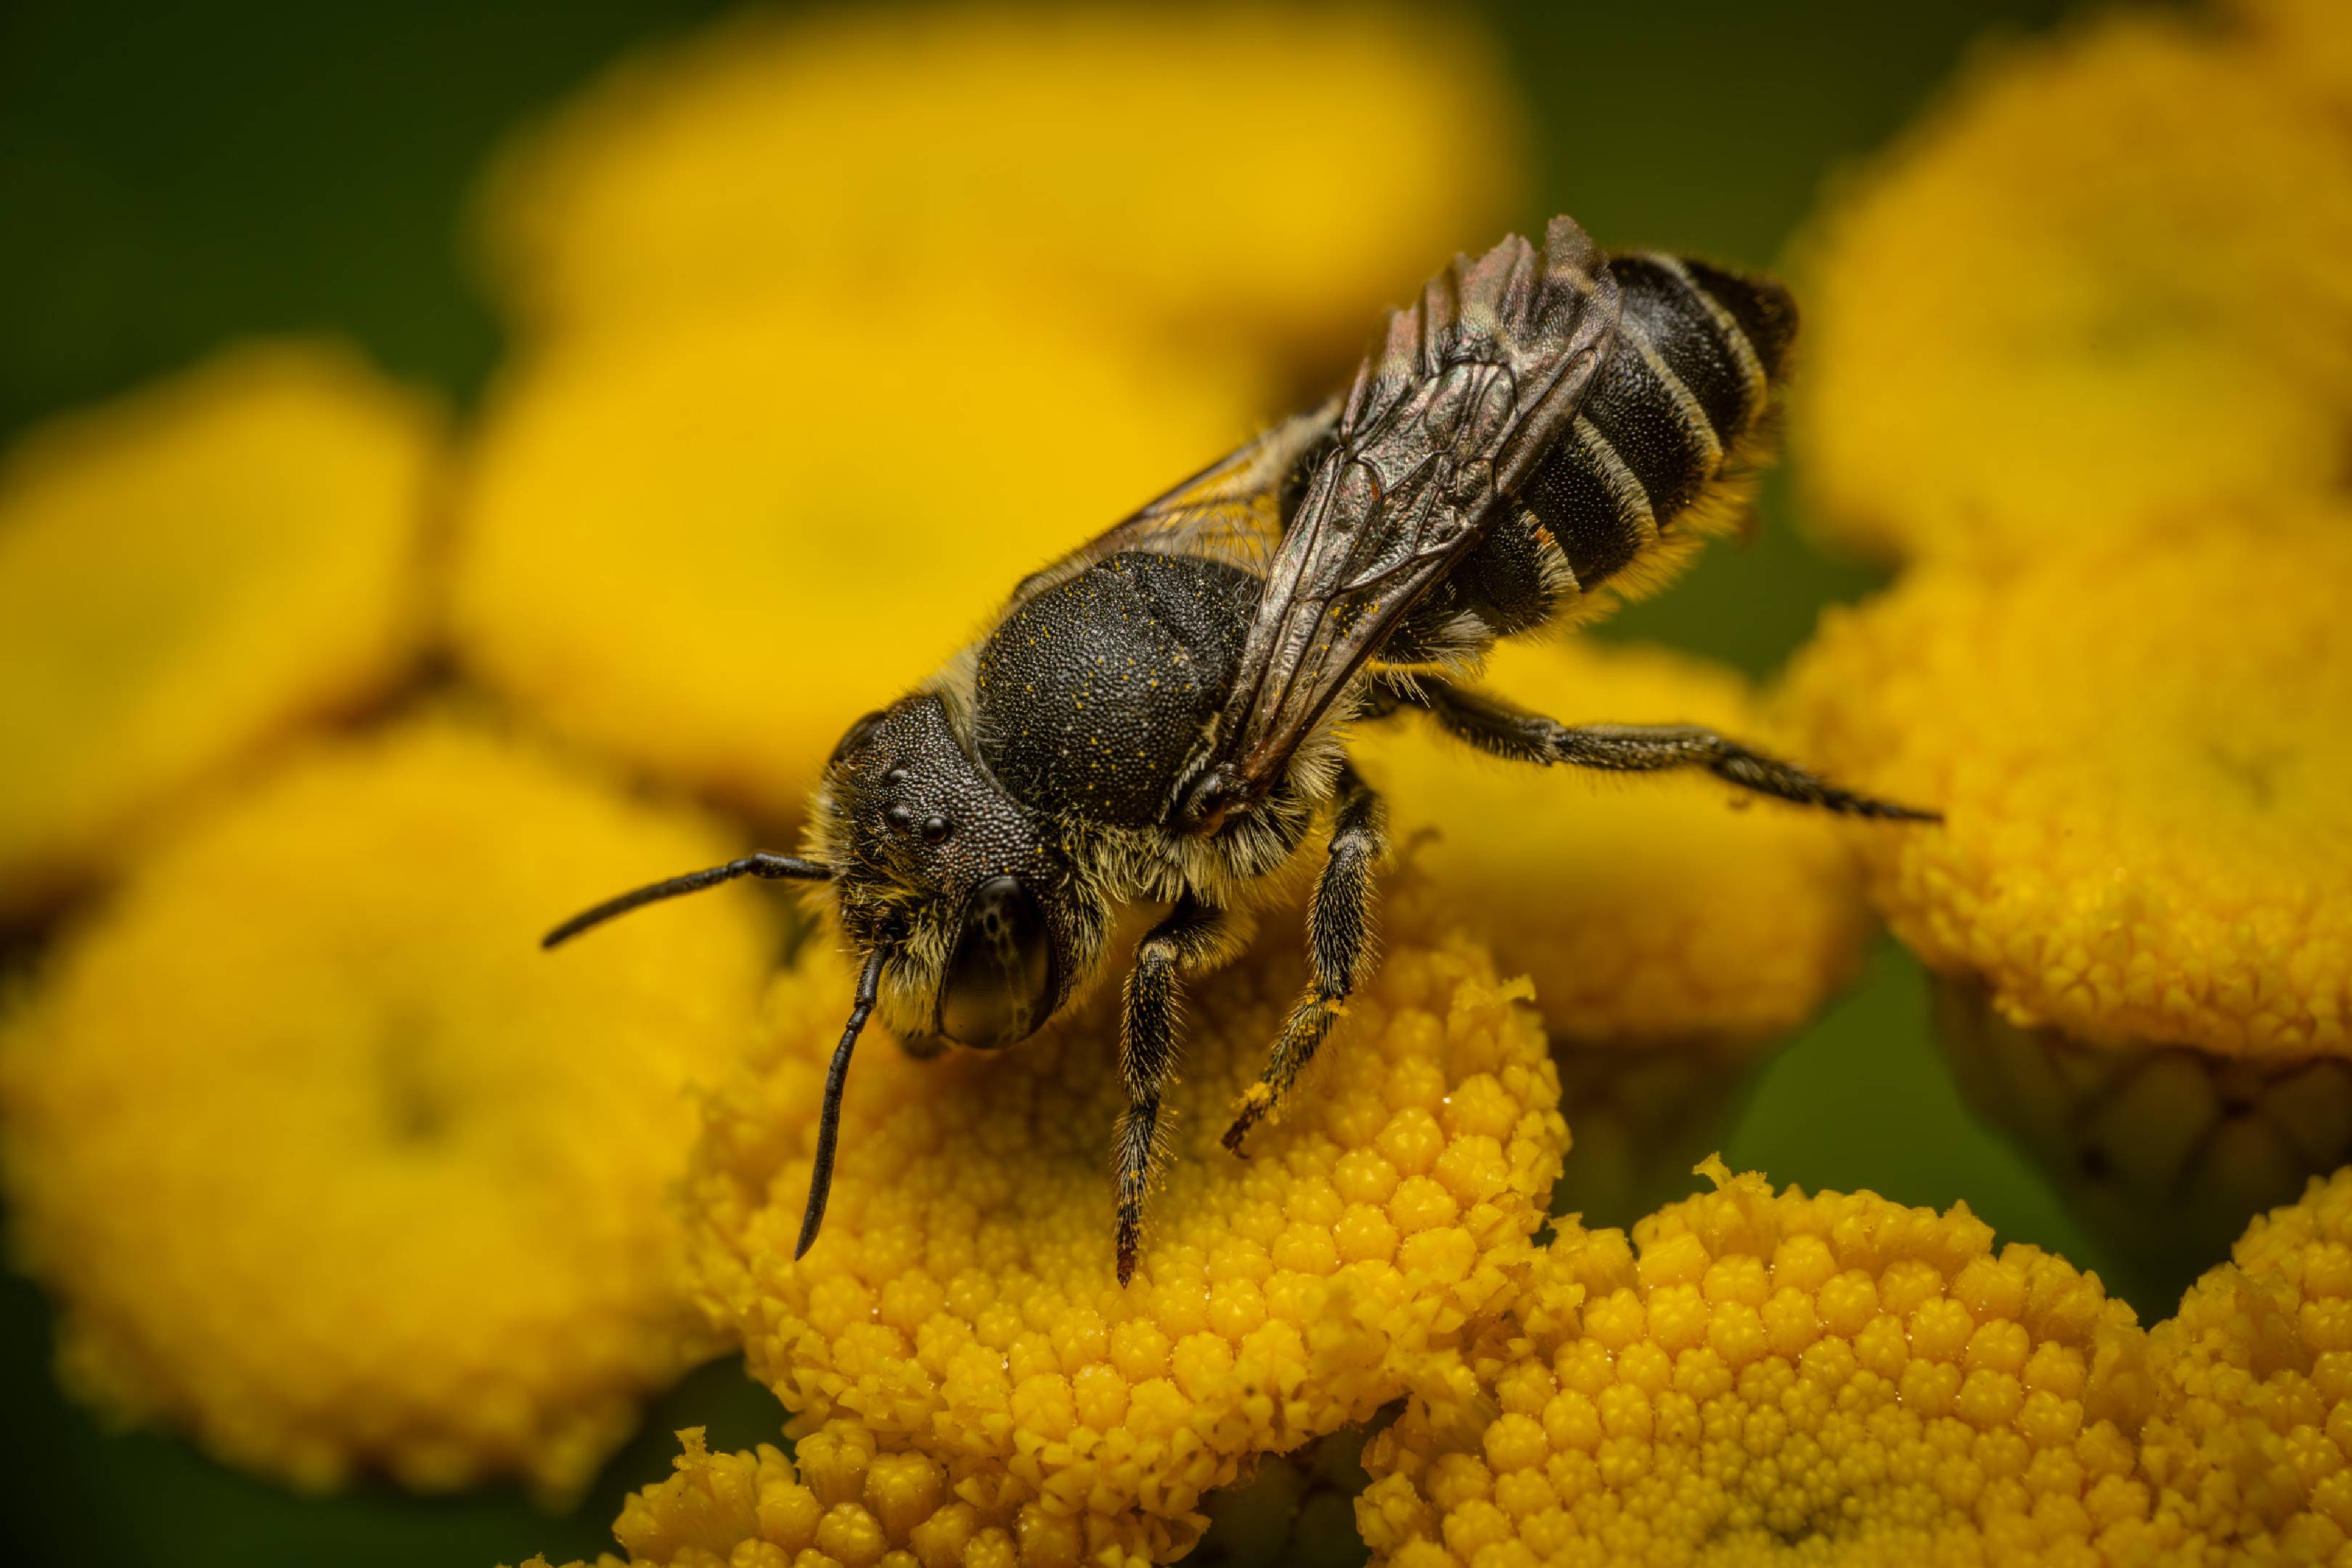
1193, 938
1339, 945
1498, 727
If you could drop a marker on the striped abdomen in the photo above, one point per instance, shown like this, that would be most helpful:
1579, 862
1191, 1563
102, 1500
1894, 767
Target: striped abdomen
1649, 464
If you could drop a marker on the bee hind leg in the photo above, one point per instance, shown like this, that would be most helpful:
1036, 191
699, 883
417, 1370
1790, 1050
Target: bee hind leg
1194, 937
1339, 946
1495, 726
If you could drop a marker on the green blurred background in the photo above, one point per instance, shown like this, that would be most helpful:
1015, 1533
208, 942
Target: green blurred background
174, 176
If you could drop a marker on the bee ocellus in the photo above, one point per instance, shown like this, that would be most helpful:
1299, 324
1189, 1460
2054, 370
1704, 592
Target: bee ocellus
1160, 717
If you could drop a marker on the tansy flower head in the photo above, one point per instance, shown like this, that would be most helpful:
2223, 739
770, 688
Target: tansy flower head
188, 574
326, 1161
2065, 302
962, 1300
709, 548
1763, 1377
2144, 842
1184, 168
2254, 1390
836, 1501
1672, 926
2145, 832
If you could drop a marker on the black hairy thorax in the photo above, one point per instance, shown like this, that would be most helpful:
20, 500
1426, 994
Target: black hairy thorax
1093, 694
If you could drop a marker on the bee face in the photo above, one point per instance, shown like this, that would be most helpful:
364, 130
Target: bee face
957, 879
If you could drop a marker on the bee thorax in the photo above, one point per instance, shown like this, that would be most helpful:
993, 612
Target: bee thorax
1091, 696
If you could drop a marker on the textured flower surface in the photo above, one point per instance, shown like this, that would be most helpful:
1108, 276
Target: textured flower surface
1760, 1377
2062, 303
2254, 1380
1673, 927
1202, 168
962, 1301
326, 1161
836, 1501
2148, 834
667, 531
188, 574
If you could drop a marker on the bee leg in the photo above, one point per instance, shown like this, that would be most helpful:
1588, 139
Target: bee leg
1339, 946
1194, 937
1496, 726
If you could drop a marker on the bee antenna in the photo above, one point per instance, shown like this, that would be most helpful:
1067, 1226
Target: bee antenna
777, 867
828, 1126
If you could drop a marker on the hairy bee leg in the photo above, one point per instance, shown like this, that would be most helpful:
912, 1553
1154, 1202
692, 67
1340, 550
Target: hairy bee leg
1497, 726
1194, 938
1339, 945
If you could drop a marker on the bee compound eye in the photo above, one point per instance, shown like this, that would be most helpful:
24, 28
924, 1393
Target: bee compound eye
1000, 979
858, 734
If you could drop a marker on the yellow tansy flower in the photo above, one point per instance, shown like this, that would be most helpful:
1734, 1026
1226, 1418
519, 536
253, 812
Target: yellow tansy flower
2254, 1422
1763, 1378
836, 1501
709, 548
962, 1301
1673, 927
2103, 280
2146, 842
1232, 171
327, 1162
188, 574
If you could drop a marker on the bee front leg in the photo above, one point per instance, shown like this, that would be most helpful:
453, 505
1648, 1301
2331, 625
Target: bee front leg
1194, 938
1339, 946
1495, 726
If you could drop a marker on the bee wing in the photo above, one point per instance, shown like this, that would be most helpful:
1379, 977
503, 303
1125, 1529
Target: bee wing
1230, 510
1473, 385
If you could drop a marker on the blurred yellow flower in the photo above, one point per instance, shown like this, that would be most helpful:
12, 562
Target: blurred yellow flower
708, 549
2103, 280
2254, 1375
1236, 171
962, 1301
189, 573
2147, 839
1764, 1378
326, 1161
1673, 926
2308, 42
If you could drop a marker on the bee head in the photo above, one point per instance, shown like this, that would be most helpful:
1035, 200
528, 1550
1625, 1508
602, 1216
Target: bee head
961, 884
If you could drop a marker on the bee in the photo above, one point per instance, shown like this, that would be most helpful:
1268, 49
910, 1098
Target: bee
1160, 717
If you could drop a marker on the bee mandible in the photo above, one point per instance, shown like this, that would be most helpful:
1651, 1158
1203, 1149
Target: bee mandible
1161, 715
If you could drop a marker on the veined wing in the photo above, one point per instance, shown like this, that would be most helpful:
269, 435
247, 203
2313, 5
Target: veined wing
1230, 510
1472, 385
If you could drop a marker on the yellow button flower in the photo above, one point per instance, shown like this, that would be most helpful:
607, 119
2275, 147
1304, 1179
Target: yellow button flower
2252, 1377
2103, 280
189, 573
2146, 842
708, 549
1766, 1378
838, 1500
325, 1162
1232, 172
962, 1301
1673, 927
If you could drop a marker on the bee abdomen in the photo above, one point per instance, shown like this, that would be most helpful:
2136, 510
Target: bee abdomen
1688, 381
